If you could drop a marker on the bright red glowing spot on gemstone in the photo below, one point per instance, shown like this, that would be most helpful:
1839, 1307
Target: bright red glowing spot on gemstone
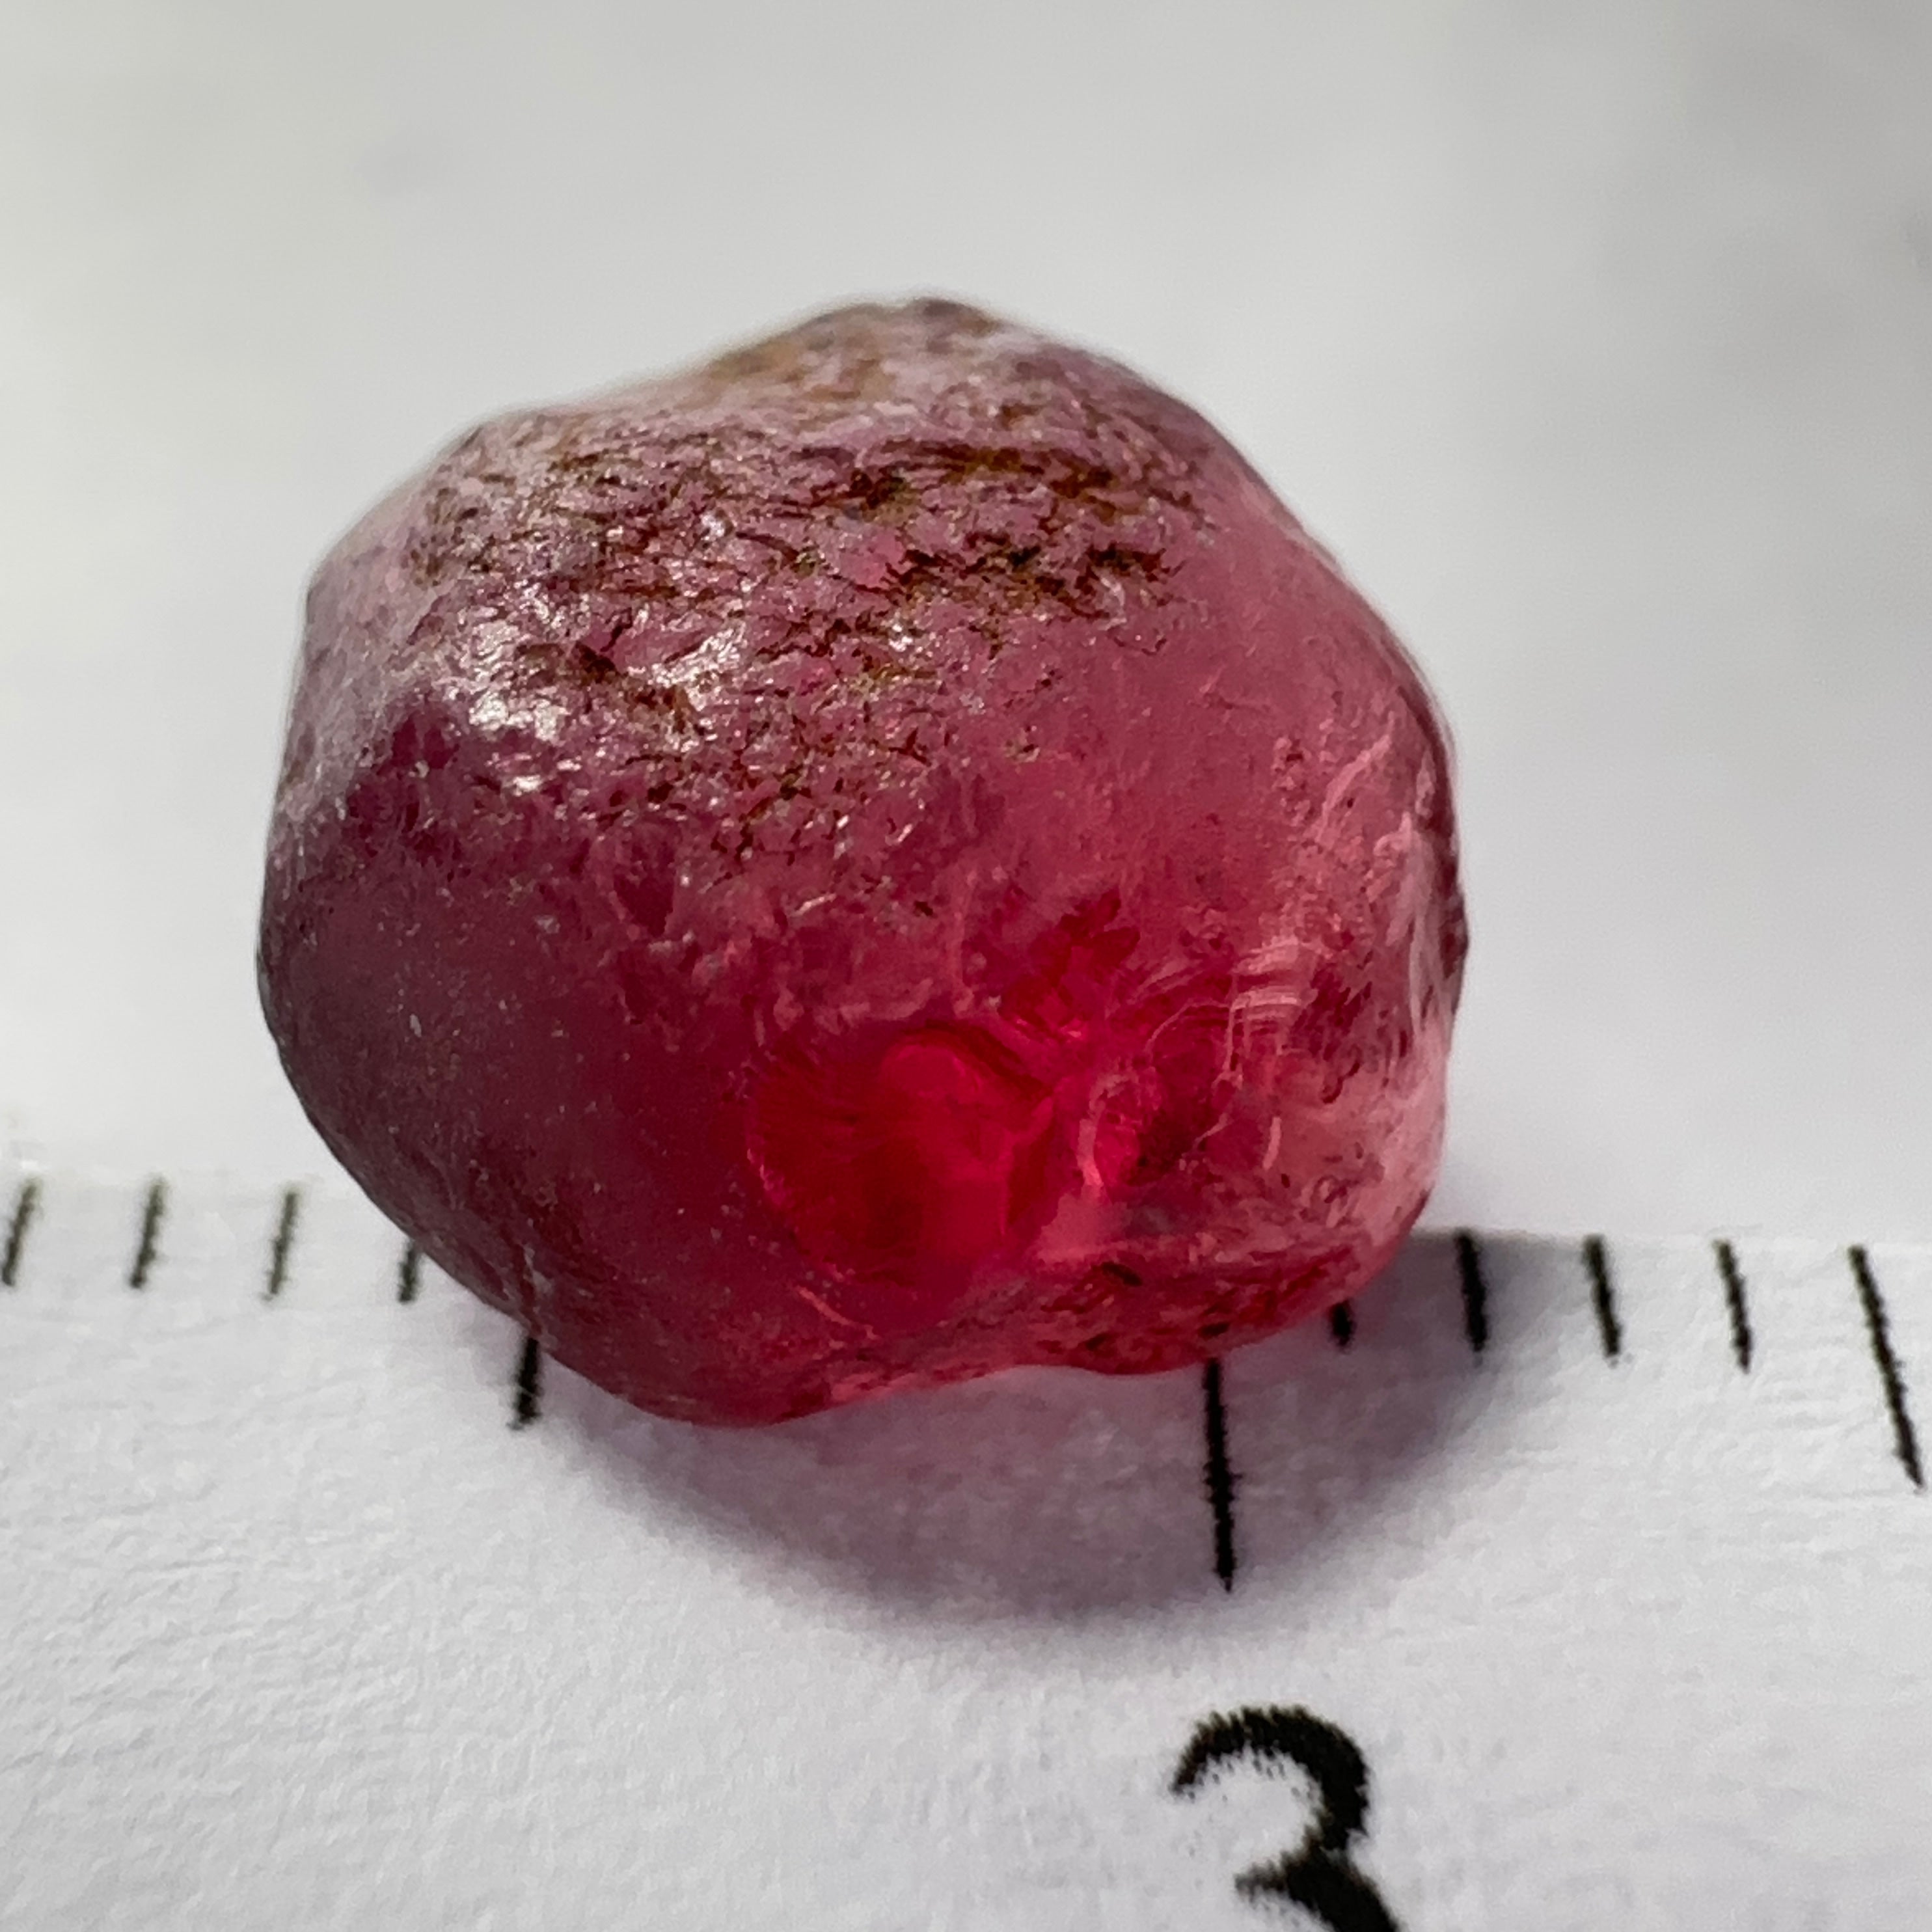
913, 1166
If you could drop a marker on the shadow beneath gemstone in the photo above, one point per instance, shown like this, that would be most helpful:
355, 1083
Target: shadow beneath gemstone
1054, 1494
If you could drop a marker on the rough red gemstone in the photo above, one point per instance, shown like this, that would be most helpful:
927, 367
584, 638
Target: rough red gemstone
885, 856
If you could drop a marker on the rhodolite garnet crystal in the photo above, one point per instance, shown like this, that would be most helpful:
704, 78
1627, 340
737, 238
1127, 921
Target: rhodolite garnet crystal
885, 856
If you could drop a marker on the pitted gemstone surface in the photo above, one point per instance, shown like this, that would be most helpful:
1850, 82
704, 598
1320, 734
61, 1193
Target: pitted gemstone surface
885, 856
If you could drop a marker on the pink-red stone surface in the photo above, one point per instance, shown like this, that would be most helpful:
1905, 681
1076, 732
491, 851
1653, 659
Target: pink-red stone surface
885, 856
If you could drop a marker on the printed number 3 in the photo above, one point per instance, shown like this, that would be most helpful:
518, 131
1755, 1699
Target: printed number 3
1319, 1875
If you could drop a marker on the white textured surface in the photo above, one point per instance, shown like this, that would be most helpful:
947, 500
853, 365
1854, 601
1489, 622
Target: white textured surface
1596, 338
302, 1634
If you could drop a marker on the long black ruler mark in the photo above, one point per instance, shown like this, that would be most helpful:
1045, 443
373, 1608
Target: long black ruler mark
1475, 1291
1736, 1302
1891, 1376
1220, 1477
1603, 1297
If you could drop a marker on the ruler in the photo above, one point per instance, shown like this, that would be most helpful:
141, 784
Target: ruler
1550, 1584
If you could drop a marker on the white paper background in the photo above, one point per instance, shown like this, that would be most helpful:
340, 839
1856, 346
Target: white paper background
301, 1634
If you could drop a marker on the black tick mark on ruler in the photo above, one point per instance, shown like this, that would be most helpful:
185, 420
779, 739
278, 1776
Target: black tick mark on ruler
26, 1205
1341, 1324
1904, 1437
1475, 1291
283, 1241
409, 1276
1221, 1478
1603, 1297
1735, 1302
529, 1384
147, 1249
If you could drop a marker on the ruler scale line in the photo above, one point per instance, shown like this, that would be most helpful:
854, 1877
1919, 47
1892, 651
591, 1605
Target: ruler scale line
1737, 1303
1220, 1477
1603, 1297
1360, 1590
26, 1205
1475, 1291
283, 1244
529, 1385
147, 1251
1891, 1376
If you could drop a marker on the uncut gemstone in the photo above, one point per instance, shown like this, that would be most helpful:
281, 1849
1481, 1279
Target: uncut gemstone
885, 856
